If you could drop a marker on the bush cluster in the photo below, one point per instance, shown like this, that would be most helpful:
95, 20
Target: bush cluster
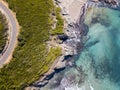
31, 58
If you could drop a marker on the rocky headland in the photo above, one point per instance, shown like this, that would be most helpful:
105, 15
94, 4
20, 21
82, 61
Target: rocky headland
74, 36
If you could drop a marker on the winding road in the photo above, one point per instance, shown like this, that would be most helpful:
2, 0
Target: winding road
13, 32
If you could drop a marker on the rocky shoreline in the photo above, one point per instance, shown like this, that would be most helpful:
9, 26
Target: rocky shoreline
70, 43
72, 40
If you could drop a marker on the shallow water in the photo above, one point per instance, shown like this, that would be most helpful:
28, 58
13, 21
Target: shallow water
98, 65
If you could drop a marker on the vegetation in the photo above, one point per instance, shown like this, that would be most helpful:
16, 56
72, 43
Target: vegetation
54, 52
59, 23
31, 59
3, 30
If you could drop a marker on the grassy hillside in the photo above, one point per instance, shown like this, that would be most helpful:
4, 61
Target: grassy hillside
59, 23
3, 30
31, 58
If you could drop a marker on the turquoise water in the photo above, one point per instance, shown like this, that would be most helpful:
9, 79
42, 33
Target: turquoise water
98, 65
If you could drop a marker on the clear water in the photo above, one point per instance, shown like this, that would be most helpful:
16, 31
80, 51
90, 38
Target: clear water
98, 65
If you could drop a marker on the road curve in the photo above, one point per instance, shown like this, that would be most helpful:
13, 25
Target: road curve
13, 34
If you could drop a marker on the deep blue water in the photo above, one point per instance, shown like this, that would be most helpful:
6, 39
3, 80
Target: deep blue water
98, 65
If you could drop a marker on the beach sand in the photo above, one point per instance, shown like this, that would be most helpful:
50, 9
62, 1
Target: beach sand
73, 7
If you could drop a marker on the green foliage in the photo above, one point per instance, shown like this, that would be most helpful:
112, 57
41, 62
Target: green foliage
53, 54
3, 31
59, 24
31, 58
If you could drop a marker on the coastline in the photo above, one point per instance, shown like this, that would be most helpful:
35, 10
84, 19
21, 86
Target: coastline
73, 31
68, 48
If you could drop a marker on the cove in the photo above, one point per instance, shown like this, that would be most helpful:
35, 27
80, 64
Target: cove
98, 64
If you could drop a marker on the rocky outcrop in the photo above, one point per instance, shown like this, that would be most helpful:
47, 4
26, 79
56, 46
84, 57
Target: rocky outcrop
73, 38
109, 3
63, 37
70, 42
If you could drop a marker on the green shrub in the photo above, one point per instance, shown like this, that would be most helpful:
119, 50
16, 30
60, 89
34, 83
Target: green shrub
59, 23
3, 32
29, 58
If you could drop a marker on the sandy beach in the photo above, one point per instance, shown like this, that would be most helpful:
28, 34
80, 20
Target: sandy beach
72, 8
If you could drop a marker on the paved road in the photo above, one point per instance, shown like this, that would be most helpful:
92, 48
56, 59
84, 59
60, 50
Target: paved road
13, 34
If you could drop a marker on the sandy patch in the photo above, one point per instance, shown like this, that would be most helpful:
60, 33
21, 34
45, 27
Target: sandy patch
73, 7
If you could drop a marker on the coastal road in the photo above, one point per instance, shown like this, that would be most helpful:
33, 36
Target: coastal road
13, 32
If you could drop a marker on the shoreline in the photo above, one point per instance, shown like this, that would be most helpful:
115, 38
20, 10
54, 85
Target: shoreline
73, 29
69, 49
